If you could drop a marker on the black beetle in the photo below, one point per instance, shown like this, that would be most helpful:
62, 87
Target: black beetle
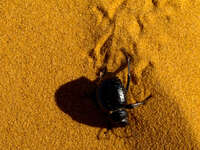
112, 99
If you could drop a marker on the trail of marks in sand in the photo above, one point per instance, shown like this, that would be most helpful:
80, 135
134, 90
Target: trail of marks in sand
133, 25
124, 27
106, 17
111, 41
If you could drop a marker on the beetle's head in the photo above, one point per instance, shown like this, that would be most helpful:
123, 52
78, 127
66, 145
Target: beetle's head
119, 117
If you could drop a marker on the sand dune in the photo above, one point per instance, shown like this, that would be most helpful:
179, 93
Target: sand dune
50, 56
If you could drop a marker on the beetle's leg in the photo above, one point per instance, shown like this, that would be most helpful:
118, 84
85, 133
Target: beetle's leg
129, 74
104, 132
102, 71
130, 106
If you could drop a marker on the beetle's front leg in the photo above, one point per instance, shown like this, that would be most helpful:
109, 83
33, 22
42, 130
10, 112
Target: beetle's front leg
129, 74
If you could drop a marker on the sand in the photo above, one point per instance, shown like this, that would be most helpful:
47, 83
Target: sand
50, 56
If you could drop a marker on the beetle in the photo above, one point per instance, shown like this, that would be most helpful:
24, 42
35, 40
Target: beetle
112, 97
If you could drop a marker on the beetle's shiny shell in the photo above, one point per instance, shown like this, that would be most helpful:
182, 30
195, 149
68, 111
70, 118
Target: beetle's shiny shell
111, 94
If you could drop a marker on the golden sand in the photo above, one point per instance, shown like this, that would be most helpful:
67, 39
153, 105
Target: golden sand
51, 51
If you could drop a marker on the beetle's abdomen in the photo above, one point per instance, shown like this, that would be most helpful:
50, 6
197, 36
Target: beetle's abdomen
111, 94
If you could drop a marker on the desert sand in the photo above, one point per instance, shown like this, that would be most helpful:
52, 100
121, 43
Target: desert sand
50, 56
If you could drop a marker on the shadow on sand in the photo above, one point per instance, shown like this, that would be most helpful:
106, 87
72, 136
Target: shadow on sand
77, 98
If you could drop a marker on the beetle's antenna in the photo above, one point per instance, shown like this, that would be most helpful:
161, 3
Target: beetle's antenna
130, 106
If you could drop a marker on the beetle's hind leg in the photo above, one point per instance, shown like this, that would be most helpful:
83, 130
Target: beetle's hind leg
130, 106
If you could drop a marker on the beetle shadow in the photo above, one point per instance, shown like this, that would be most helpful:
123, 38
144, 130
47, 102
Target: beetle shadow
77, 99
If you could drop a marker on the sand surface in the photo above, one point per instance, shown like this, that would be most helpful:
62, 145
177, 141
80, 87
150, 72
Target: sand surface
51, 53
